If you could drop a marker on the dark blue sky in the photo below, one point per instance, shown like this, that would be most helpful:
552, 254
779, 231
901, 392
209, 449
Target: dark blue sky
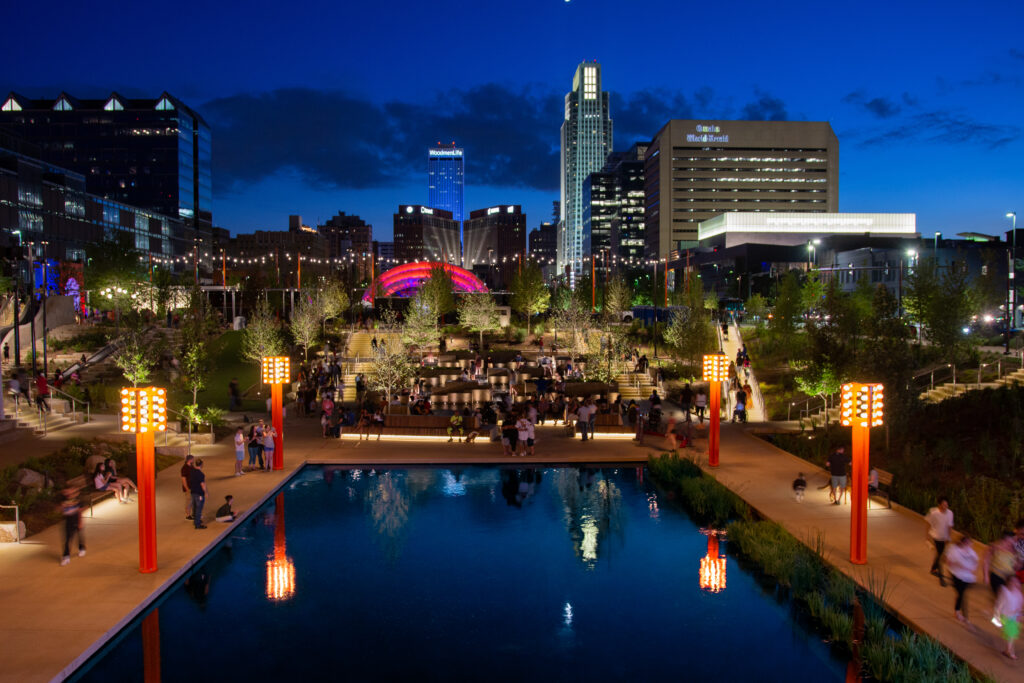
320, 107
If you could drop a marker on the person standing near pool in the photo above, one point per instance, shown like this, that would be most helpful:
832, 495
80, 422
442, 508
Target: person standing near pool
186, 473
197, 487
239, 451
268, 448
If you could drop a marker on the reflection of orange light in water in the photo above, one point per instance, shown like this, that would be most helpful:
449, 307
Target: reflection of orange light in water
712, 568
280, 569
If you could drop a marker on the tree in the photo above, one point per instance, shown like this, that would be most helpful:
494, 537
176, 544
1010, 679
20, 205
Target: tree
479, 313
332, 301
574, 322
420, 326
135, 358
788, 307
305, 325
262, 335
530, 294
606, 355
819, 379
616, 299
812, 291
942, 303
691, 334
390, 368
436, 292
195, 367
757, 308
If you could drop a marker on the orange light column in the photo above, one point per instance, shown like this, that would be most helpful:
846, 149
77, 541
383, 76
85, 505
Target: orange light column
716, 369
276, 372
862, 406
151, 647
144, 412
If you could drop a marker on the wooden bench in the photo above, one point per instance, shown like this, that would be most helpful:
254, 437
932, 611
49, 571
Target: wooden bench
95, 496
884, 479
416, 425
611, 423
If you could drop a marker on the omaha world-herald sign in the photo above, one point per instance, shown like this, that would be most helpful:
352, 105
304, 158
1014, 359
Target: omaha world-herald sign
707, 133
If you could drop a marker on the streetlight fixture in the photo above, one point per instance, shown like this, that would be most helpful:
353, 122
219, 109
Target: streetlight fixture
1011, 284
144, 412
862, 409
276, 372
716, 371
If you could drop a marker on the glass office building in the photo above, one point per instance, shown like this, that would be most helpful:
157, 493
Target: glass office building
446, 166
586, 143
150, 153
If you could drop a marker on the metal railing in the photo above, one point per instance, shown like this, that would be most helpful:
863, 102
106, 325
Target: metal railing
17, 520
74, 405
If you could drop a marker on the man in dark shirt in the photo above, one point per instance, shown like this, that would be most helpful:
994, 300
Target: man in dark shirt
837, 463
197, 486
186, 471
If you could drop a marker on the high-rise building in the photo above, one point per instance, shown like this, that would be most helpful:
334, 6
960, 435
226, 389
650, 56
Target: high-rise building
46, 212
613, 208
350, 239
445, 175
696, 170
150, 153
423, 233
586, 143
542, 243
495, 242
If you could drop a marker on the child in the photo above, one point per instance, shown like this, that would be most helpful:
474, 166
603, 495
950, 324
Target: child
799, 486
1007, 609
224, 512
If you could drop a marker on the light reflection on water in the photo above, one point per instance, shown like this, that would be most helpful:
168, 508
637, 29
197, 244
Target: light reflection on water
471, 573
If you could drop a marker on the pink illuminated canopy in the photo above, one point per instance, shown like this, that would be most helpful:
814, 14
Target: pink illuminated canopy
406, 279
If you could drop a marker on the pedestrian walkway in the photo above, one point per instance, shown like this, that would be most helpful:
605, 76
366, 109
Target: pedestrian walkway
731, 347
897, 548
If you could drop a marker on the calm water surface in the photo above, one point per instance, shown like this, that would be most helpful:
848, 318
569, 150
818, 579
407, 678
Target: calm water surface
472, 574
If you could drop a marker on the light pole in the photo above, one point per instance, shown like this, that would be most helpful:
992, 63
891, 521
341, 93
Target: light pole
1011, 285
935, 250
862, 409
144, 412
276, 373
716, 371
812, 254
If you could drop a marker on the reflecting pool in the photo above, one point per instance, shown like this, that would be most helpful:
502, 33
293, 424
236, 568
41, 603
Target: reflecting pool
478, 573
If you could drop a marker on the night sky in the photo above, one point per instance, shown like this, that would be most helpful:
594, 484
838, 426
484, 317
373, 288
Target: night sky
321, 107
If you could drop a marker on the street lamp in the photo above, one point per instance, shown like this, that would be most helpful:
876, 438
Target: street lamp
1011, 285
716, 371
144, 411
862, 408
276, 372
812, 255
935, 251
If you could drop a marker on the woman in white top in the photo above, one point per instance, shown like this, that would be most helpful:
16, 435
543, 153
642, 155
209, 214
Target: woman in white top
268, 447
1008, 608
523, 427
239, 451
962, 562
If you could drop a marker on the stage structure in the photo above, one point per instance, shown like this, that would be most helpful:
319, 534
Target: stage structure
405, 280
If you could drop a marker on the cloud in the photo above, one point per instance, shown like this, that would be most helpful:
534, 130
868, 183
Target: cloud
880, 107
765, 108
511, 135
945, 127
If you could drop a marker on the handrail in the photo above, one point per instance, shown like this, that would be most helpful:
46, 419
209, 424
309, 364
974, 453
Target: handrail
74, 404
17, 519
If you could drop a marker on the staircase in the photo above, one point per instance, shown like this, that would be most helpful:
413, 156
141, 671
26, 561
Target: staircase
360, 346
29, 419
635, 386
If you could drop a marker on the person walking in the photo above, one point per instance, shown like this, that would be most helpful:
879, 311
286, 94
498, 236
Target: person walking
685, 401
700, 405
583, 419
940, 523
962, 562
186, 475
1000, 562
42, 392
197, 488
1008, 607
239, 451
837, 465
71, 511
522, 434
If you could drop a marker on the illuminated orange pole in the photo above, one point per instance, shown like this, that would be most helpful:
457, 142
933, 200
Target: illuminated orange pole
146, 473
666, 283
151, 647
300, 272
593, 290
861, 410
373, 296
716, 369
277, 401
223, 268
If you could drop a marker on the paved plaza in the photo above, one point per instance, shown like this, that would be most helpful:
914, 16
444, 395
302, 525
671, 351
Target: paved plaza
56, 616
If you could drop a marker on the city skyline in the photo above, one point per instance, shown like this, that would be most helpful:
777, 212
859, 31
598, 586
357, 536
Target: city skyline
926, 107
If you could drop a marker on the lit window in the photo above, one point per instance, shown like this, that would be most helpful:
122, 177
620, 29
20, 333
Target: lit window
164, 105
113, 104
11, 105
62, 105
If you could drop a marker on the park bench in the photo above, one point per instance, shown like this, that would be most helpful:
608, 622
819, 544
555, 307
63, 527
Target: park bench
416, 425
611, 423
884, 479
93, 496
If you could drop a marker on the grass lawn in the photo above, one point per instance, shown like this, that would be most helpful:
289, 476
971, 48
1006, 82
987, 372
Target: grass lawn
226, 362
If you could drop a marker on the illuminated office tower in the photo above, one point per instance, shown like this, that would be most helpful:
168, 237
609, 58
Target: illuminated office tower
586, 143
445, 171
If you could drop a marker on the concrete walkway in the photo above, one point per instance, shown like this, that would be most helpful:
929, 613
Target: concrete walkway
897, 548
54, 617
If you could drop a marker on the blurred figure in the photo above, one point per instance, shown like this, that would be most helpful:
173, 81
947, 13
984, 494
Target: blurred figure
224, 512
71, 510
